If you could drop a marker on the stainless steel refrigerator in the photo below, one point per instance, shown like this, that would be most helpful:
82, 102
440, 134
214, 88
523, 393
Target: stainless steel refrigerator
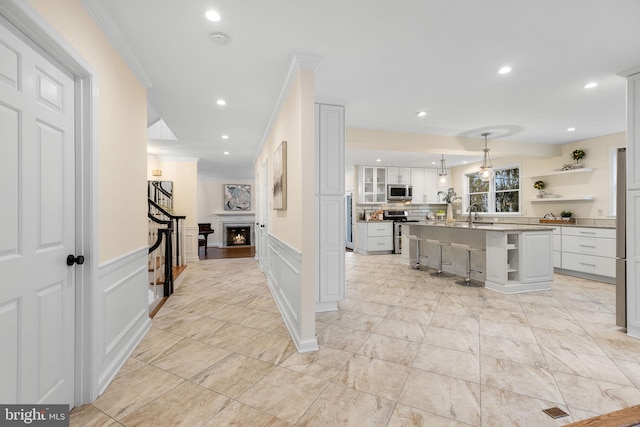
621, 236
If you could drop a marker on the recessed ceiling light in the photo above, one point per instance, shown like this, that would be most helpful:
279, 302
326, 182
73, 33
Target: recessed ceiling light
571, 129
590, 85
433, 163
421, 113
226, 153
225, 136
212, 16
378, 160
504, 70
464, 163
221, 102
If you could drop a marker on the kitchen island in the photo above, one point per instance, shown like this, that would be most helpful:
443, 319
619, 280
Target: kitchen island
515, 259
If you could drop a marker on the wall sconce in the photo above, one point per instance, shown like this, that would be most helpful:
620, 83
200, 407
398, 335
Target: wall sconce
156, 172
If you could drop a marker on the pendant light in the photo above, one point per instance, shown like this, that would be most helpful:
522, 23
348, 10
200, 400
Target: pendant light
486, 170
443, 177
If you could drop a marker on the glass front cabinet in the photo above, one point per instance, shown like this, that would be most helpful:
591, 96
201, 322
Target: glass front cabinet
373, 184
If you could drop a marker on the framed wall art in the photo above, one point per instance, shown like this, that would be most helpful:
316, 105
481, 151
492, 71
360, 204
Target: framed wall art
237, 197
280, 177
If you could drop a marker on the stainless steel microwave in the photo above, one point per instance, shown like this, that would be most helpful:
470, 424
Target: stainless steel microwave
399, 192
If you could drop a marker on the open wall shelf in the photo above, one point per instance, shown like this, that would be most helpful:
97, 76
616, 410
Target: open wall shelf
563, 199
567, 172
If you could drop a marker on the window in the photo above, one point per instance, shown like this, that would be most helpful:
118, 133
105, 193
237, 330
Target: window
500, 195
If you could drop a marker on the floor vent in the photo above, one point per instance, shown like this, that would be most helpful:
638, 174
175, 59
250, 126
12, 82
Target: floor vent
555, 412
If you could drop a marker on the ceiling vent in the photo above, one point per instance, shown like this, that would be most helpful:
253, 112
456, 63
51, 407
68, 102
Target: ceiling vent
219, 38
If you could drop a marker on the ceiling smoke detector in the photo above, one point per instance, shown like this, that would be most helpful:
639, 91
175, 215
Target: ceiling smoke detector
219, 38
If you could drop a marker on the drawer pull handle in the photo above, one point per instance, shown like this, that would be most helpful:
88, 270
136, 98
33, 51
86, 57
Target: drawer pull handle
587, 246
380, 244
587, 232
590, 265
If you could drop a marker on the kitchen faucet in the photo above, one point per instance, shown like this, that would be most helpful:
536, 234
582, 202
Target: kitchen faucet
475, 207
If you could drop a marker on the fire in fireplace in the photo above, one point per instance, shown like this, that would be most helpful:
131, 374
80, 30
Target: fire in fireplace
238, 236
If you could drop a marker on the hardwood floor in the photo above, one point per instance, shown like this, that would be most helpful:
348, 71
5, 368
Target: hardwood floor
230, 252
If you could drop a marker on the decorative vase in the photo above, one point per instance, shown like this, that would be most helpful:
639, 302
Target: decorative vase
540, 194
449, 212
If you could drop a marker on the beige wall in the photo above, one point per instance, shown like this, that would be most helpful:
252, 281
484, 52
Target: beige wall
211, 197
121, 108
286, 224
596, 183
295, 226
184, 175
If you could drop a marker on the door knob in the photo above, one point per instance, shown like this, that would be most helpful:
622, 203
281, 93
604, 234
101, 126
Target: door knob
75, 260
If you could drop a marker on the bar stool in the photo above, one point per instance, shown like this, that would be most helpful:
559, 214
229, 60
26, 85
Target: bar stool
441, 262
467, 281
417, 240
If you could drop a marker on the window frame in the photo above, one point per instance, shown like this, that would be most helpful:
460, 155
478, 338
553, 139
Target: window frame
492, 193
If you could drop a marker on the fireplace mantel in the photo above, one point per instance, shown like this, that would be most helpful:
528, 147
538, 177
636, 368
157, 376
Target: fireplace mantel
233, 213
222, 218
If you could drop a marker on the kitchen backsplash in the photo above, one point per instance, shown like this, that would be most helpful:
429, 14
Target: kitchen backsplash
415, 212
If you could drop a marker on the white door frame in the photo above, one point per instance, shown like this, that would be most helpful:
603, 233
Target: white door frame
26, 19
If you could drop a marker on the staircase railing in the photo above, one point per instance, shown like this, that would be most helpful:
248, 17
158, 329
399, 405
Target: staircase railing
177, 237
160, 258
159, 195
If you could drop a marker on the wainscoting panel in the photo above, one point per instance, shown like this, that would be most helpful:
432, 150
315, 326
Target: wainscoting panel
191, 244
121, 313
283, 277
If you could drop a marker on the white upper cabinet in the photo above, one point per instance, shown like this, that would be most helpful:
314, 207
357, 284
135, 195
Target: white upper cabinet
417, 180
425, 185
373, 184
397, 175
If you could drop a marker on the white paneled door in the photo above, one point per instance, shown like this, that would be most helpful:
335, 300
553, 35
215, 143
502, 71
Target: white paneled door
264, 216
37, 226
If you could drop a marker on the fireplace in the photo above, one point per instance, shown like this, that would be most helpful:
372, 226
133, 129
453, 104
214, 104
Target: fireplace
237, 235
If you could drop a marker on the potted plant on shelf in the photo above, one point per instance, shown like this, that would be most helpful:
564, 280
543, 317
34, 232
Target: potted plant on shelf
578, 155
566, 215
449, 197
539, 185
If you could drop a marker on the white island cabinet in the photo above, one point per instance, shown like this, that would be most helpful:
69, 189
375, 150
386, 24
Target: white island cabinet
519, 261
516, 258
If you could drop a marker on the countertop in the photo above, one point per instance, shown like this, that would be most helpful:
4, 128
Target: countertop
481, 226
505, 223
611, 227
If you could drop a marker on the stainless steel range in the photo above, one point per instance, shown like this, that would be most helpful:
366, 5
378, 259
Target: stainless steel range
398, 217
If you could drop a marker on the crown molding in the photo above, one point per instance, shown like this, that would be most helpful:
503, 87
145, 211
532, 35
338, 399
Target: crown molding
299, 62
630, 72
111, 30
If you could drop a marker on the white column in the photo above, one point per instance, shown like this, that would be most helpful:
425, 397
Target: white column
330, 197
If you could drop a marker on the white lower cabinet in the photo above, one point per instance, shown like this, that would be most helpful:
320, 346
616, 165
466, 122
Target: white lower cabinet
589, 264
590, 251
375, 237
557, 247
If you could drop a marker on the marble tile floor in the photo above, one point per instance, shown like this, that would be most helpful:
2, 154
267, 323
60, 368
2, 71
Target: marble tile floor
405, 349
